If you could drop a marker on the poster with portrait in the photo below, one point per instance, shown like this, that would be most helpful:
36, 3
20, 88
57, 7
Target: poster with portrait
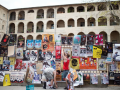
26, 55
83, 51
58, 65
77, 39
46, 64
113, 66
74, 63
45, 47
98, 39
45, 38
90, 39
79, 80
3, 51
1, 60
21, 41
92, 63
2, 74
69, 40
5, 39
97, 51
83, 63
18, 65
116, 54
89, 50
6, 65
12, 39
102, 65
104, 78
30, 44
33, 55
104, 53
53, 64
51, 38
94, 78
86, 76
58, 53
83, 40
66, 52
75, 51
64, 40
58, 39
40, 55
19, 53
38, 44
36, 78
109, 47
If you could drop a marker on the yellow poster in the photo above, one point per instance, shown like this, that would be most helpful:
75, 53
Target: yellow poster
6, 81
12, 60
118, 66
74, 63
97, 51
1, 60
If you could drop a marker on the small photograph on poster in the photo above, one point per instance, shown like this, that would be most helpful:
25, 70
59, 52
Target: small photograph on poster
5, 39
104, 53
77, 39
90, 39
33, 55
58, 65
58, 39
74, 63
94, 78
45, 47
30, 44
75, 51
64, 40
109, 47
83, 63
21, 41
58, 53
92, 63
83, 51
19, 53
89, 50
6, 65
116, 54
104, 78
36, 78
18, 65
38, 44
2, 74
26, 55
53, 64
46, 64
3, 51
69, 40
98, 39
12, 39
83, 40
111, 75
86, 76
97, 51
51, 38
113, 66
102, 65
45, 38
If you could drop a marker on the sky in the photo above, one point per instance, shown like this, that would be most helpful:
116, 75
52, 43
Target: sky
13, 4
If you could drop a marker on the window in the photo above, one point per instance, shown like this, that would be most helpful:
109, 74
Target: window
114, 41
82, 24
69, 25
52, 26
91, 23
3, 15
2, 27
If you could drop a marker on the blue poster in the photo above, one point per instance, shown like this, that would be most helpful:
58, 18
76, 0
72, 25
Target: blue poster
29, 87
77, 39
30, 44
53, 65
37, 44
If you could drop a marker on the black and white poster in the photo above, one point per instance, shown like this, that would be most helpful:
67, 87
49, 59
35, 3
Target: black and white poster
33, 55
79, 80
94, 78
116, 54
104, 78
69, 40
83, 51
89, 50
26, 55
90, 39
64, 40
46, 64
111, 75
117, 79
75, 51
12, 39
83, 39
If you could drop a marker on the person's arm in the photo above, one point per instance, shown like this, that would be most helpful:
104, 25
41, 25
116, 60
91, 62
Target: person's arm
55, 79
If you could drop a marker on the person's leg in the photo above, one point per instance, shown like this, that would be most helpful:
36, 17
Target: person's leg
51, 82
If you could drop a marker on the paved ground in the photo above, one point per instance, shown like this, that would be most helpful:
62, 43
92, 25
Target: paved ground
60, 88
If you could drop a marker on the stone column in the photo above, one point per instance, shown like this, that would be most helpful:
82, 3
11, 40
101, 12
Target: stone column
45, 13
108, 38
16, 15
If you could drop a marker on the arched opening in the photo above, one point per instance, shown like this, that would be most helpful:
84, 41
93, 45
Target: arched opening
102, 7
104, 36
92, 33
40, 13
29, 37
12, 28
81, 22
91, 21
30, 27
39, 37
115, 37
60, 10
102, 21
12, 16
80, 33
70, 34
114, 20
21, 15
50, 25
114, 6
60, 24
70, 23
90, 8
50, 13
40, 26
70, 9
80, 9
31, 11
21, 27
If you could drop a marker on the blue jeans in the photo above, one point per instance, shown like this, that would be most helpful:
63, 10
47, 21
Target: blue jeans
65, 72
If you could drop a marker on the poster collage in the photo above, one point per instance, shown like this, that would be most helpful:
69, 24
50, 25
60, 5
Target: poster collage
84, 52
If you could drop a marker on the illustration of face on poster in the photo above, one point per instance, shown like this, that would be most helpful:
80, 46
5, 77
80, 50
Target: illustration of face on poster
36, 78
2, 74
3, 51
83, 39
45, 47
33, 55
86, 76
51, 38
6, 65
13, 39
19, 53
5, 39
58, 53
83, 51
64, 40
30, 44
21, 41
67, 52
69, 40
75, 51
74, 63
46, 64
92, 63
94, 78
109, 47
113, 66
116, 54
38, 44
18, 65
58, 65
104, 53
58, 39
77, 39
89, 50
45, 38
102, 64
83, 63
26, 55
98, 39
53, 64
97, 51
90, 39
104, 78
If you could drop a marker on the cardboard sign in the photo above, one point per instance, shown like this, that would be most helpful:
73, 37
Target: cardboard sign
99, 39
58, 53
18, 65
97, 51
69, 40
89, 50
5, 39
39, 66
74, 63
38, 44
11, 51
30, 44
1, 60
109, 47
58, 39
83, 40
6, 81
77, 39
75, 51
102, 65
13, 39
2, 74
90, 39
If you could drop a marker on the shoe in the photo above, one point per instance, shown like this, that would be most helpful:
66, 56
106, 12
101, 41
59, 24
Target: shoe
65, 88
52, 88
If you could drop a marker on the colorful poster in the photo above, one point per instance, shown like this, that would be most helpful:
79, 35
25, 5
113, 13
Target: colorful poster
79, 80
26, 55
86, 76
104, 53
13, 39
58, 39
1, 60
83, 51
6, 81
90, 39
12, 60
109, 47
113, 66
3, 51
36, 78
18, 65
29, 87
5, 39
109, 58
83, 63
53, 64
104, 78
33, 55
83, 40
75, 51
46, 64
77, 39
30, 44
58, 53
6, 65
51, 38
92, 63
69, 40
45, 47
94, 78
102, 65
74, 63
51, 47
66, 53
58, 65
116, 54
89, 50
25, 65
19, 53
98, 39
97, 51
45, 38
111, 75
2, 74
38, 44
64, 40
11, 68
21, 41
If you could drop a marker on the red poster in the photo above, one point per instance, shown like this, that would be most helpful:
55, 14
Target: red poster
92, 63
98, 39
18, 64
58, 52
83, 63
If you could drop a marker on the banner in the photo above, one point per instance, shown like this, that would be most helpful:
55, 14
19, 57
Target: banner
83, 51
6, 81
94, 78
102, 65
30, 44
75, 51
83, 40
18, 65
38, 44
39, 66
74, 63
2, 74
69, 40
109, 47
97, 51
13, 39
77, 39
89, 50
90, 39
98, 39
1, 60
58, 39
104, 78
58, 53
19, 53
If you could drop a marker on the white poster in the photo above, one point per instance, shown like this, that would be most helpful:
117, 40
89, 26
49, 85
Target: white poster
94, 78
2, 74
79, 80
46, 64
58, 39
75, 51
104, 78
116, 54
19, 53
33, 55
83, 51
